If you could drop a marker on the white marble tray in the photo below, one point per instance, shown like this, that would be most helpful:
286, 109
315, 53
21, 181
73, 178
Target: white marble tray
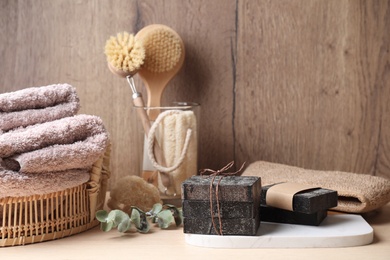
335, 231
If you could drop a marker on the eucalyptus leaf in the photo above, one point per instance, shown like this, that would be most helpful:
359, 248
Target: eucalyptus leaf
144, 224
124, 225
120, 216
135, 218
111, 217
177, 214
101, 215
163, 223
106, 226
156, 209
165, 218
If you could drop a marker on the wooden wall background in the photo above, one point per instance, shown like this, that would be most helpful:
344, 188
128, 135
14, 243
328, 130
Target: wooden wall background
299, 82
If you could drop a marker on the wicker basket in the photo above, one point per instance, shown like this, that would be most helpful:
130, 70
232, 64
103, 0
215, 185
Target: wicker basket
38, 218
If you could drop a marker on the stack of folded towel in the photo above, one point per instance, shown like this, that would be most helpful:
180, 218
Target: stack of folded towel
44, 141
37, 105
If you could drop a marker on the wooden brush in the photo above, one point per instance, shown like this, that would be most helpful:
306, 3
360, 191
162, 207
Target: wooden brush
125, 56
164, 56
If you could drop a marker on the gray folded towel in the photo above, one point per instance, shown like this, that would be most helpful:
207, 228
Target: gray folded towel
68, 143
66, 130
37, 105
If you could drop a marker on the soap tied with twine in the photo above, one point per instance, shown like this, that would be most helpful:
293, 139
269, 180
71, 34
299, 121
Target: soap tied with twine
213, 174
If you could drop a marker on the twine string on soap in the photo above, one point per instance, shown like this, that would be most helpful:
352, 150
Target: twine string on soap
212, 173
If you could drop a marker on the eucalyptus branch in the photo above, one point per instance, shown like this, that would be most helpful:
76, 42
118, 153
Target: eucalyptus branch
162, 215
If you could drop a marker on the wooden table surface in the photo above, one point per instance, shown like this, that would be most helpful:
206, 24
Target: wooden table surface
170, 244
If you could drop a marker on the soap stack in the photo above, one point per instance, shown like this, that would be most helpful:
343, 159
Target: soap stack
306, 207
235, 205
236, 212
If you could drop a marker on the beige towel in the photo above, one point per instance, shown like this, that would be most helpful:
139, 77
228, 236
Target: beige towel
37, 105
68, 143
358, 193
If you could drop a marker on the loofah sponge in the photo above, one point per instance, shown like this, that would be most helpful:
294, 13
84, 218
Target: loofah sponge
173, 131
133, 191
124, 52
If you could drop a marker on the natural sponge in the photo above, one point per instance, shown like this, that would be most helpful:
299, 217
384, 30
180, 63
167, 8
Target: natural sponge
133, 191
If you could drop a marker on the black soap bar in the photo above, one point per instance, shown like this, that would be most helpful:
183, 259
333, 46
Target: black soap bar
232, 226
308, 202
231, 188
228, 209
271, 214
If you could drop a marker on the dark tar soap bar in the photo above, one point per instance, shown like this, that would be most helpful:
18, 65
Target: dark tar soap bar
231, 188
228, 209
271, 214
310, 201
233, 226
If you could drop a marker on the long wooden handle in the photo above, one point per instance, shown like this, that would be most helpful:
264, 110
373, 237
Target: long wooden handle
139, 103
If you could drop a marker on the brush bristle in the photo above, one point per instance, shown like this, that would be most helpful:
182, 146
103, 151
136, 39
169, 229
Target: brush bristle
162, 51
124, 52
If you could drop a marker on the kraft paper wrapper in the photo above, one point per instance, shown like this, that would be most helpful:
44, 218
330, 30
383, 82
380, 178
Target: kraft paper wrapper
282, 195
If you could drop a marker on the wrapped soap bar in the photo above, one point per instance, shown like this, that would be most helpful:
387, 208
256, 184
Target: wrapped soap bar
271, 214
231, 188
236, 210
231, 226
308, 201
227, 209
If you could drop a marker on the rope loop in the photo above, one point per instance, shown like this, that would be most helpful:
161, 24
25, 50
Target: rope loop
151, 138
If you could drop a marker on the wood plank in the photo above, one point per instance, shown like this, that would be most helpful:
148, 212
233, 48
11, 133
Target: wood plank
307, 74
65, 43
208, 31
299, 82
381, 15
8, 27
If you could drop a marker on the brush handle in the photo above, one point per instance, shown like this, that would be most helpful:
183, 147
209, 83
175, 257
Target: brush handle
138, 102
155, 85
